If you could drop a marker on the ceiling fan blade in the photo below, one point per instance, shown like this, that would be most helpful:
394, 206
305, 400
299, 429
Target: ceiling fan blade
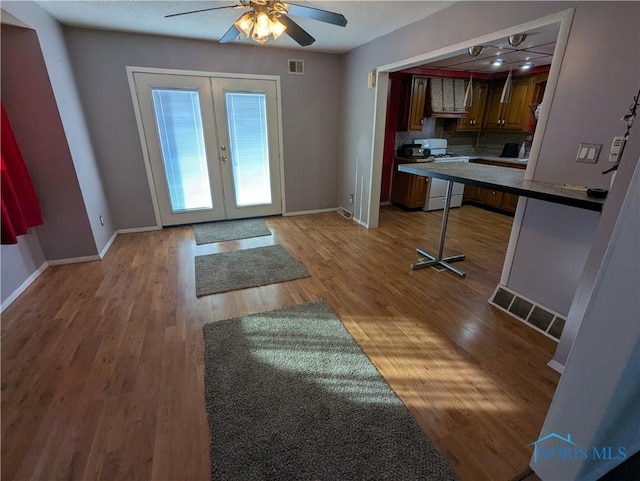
202, 10
296, 32
316, 14
230, 35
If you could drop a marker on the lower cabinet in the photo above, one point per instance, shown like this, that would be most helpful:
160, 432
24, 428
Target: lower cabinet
408, 190
493, 199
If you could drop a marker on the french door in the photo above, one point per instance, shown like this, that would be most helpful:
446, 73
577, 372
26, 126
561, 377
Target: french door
213, 146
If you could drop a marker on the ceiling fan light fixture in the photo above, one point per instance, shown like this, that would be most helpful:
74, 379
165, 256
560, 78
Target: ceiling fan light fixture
260, 23
245, 23
262, 27
277, 28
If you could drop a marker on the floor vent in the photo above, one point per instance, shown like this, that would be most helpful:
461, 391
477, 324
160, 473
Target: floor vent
345, 213
538, 317
296, 66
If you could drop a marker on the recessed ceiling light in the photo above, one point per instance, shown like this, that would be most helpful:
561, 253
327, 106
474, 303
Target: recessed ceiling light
526, 66
497, 62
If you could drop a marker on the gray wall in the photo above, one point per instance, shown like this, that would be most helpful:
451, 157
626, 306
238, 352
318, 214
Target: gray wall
71, 115
34, 117
587, 107
596, 86
598, 394
310, 106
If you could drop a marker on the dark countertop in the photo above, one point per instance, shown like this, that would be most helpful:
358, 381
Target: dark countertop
510, 160
503, 179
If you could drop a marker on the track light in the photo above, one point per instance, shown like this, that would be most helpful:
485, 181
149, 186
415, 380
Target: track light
517, 39
475, 50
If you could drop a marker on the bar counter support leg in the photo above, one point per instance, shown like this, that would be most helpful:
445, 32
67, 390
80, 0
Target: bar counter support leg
430, 260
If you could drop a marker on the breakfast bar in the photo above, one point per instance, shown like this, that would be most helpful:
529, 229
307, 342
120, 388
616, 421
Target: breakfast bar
502, 179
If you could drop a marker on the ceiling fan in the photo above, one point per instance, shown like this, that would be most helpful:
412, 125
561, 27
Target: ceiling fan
267, 18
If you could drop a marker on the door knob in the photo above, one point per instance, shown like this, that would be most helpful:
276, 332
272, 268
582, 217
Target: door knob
224, 158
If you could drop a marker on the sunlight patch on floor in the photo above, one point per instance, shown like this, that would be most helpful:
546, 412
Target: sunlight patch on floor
426, 372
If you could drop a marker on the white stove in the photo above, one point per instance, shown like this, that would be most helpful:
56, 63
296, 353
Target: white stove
437, 188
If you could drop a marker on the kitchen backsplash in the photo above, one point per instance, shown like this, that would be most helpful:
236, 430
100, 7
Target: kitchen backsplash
465, 143
428, 132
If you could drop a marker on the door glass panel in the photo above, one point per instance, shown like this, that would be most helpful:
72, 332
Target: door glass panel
179, 124
247, 119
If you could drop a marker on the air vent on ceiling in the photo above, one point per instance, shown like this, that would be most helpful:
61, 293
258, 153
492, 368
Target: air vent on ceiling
296, 66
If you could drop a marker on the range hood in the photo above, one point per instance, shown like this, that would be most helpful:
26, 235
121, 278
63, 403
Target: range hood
446, 97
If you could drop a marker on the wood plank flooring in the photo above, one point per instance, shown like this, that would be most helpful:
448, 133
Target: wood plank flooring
102, 362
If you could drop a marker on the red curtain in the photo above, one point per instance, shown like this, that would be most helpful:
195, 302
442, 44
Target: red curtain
18, 200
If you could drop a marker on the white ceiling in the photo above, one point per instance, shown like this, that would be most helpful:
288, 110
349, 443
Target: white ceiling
367, 20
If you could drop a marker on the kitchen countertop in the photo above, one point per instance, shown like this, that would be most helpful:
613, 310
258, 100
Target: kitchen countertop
503, 179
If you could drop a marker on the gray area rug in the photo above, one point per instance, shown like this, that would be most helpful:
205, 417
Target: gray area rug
245, 268
290, 395
229, 230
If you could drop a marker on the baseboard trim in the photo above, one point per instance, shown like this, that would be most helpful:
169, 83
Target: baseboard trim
135, 230
74, 260
307, 212
556, 366
106, 248
23, 287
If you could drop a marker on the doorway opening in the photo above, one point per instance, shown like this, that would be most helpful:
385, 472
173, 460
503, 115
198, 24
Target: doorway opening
563, 19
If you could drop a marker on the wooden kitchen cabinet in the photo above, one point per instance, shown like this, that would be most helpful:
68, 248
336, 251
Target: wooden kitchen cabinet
413, 91
493, 198
509, 202
514, 115
500, 201
417, 103
475, 114
537, 95
473, 194
408, 190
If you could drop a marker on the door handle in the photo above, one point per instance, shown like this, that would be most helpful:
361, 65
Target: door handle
224, 158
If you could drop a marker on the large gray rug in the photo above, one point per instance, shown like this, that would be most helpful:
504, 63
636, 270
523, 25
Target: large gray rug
229, 230
245, 268
290, 396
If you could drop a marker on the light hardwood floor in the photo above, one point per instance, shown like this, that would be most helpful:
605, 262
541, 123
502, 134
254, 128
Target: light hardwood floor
102, 362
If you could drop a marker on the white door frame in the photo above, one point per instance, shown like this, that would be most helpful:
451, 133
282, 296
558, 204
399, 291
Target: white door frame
197, 73
564, 17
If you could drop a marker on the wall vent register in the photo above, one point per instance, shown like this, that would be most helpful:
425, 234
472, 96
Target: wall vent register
296, 67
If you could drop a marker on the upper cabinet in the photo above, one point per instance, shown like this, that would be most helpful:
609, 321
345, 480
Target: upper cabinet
443, 97
418, 103
475, 114
413, 108
513, 115
447, 97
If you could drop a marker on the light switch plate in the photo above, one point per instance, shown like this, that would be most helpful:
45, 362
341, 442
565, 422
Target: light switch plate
588, 153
